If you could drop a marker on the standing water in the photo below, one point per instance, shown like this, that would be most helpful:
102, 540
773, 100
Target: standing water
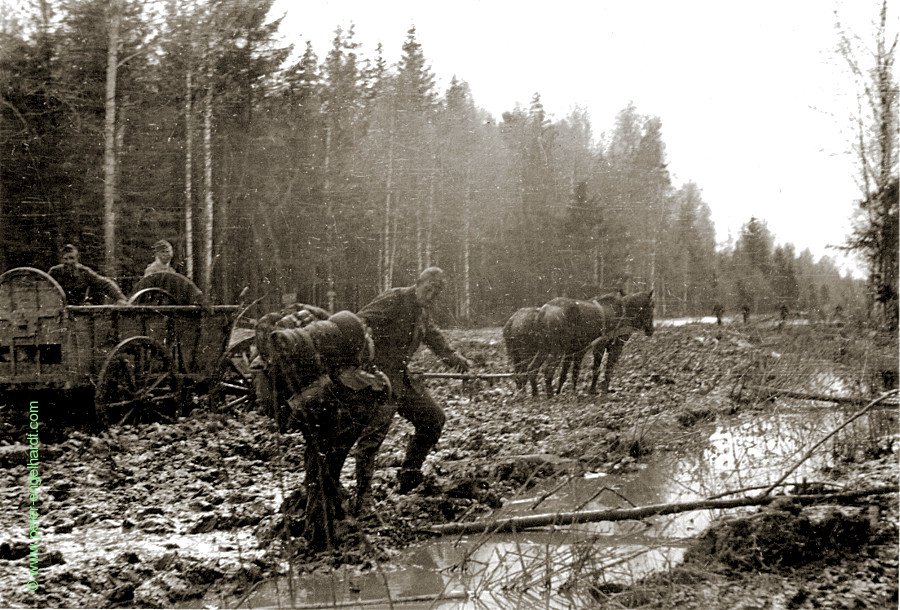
544, 566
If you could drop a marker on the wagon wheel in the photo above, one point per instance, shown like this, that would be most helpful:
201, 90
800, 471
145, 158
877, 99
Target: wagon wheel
137, 384
152, 296
233, 382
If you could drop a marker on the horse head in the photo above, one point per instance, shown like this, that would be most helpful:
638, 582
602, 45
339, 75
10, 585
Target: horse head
639, 311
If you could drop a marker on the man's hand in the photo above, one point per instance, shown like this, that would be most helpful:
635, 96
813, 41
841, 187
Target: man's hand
459, 363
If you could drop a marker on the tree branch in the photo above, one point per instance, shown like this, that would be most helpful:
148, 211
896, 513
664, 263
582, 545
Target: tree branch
516, 524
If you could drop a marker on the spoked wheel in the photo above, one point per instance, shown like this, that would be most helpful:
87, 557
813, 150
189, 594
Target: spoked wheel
152, 296
233, 384
137, 384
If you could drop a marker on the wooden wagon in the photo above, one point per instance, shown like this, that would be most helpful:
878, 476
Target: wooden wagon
138, 361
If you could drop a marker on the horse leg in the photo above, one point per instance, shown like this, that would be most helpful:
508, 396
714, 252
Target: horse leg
599, 348
565, 363
518, 366
549, 370
534, 365
576, 369
612, 356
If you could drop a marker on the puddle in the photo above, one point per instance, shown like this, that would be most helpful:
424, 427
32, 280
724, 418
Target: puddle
690, 320
533, 568
663, 322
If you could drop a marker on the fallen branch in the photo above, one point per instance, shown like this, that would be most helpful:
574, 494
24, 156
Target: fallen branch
801, 484
772, 391
428, 375
382, 602
515, 524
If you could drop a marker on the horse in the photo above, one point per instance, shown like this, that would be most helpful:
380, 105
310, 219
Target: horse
636, 314
571, 326
574, 326
523, 335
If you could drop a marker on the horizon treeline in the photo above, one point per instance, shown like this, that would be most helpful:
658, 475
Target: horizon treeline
328, 179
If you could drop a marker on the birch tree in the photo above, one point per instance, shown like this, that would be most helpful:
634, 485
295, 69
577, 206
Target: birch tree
876, 227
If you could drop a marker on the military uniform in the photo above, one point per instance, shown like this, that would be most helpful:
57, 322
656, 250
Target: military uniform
398, 325
83, 285
157, 266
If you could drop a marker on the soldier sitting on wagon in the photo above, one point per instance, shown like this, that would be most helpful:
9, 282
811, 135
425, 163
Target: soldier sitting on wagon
82, 284
162, 263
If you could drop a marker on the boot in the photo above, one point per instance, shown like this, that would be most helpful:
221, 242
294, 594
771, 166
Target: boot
408, 479
362, 507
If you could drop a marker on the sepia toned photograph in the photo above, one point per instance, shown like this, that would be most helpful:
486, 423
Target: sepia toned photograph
466, 305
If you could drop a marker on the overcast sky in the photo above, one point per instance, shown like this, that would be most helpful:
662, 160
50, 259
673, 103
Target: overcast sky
755, 103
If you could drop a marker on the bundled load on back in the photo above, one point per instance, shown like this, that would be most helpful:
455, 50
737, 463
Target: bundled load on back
306, 352
320, 378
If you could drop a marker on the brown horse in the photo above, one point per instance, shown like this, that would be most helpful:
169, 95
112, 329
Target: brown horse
573, 326
523, 335
639, 311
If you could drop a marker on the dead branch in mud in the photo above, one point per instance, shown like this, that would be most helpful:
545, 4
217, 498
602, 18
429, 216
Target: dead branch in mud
849, 400
514, 524
386, 601
485, 376
812, 449
732, 492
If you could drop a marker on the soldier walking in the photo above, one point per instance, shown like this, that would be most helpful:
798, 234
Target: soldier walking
400, 320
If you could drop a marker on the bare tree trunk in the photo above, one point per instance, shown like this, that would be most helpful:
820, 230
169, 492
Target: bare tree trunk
188, 172
429, 212
393, 256
266, 221
388, 270
660, 298
420, 241
467, 292
654, 244
207, 250
879, 91
110, 193
329, 226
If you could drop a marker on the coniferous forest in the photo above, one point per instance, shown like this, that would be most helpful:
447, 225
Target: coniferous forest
326, 179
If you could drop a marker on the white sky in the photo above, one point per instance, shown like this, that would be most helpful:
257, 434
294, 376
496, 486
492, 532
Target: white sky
755, 103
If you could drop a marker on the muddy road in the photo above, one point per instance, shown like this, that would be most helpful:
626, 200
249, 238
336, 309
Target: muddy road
188, 513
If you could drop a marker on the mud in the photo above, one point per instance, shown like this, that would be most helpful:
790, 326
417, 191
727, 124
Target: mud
189, 513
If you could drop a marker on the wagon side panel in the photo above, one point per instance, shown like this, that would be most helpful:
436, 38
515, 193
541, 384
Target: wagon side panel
205, 342
34, 332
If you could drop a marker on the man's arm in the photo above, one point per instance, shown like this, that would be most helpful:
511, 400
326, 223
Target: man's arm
105, 285
436, 342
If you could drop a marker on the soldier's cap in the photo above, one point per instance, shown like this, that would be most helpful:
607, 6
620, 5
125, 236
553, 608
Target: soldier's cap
69, 249
161, 246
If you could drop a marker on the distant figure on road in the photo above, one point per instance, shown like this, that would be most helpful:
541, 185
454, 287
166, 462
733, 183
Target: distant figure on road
838, 317
783, 315
83, 285
163, 252
718, 310
745, 311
